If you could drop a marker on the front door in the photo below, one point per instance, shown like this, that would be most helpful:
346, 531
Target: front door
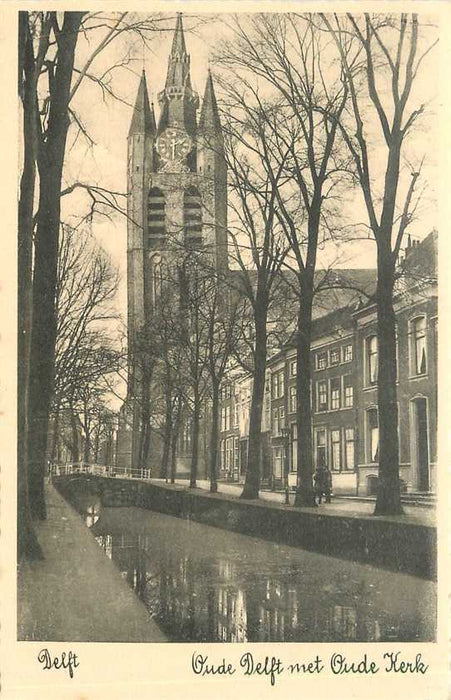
421, 443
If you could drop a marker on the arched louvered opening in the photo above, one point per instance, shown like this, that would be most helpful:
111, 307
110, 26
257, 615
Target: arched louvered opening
192, 217
156, 219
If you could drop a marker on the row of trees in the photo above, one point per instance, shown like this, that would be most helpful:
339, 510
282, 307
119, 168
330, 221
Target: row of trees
88, 362
180, 358
314, 105
61, 56
317, 105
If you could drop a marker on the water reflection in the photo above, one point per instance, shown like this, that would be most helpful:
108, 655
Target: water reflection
205, 584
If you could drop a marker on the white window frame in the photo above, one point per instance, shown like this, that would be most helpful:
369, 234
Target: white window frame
228, 416
281, 417
333, 467
324, 445
346, 359
294, 447
319, 408
332, 407
413, 346
278, 384
236, 453
236, 418
345, 451
334, 350
319, 356
368, 361
369, 436
351, 387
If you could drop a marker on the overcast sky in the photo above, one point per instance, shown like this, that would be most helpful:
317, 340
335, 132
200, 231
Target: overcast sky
107, 122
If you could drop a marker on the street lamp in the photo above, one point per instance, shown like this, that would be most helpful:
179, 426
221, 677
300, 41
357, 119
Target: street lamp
286, 444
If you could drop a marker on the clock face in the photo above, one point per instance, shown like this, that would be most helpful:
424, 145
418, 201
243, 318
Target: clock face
174, 144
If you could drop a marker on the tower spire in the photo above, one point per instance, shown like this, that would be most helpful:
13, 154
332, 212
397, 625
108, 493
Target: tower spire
209, 115
178, 101
178, 42
143, 119
179, 61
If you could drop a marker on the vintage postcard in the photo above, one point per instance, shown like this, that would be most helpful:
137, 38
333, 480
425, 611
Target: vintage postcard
225, 314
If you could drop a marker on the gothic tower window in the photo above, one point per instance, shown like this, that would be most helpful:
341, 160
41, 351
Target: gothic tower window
192, 217
156, 219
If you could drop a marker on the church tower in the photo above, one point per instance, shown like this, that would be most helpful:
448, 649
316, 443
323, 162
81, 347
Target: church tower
177, 194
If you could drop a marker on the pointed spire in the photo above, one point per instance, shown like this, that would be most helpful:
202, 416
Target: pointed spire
209, 115
143, 119
179, 60
178, 42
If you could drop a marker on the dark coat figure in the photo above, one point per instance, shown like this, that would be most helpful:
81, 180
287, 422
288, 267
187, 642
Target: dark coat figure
322, 479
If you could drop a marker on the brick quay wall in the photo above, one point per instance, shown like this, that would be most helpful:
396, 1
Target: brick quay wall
389, 542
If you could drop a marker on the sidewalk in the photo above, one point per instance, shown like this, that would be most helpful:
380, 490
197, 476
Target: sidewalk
76, 593
349, 508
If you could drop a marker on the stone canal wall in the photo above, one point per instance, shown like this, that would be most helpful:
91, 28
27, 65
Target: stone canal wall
389, 542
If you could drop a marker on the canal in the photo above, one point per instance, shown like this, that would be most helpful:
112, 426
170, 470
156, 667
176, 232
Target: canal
204, 584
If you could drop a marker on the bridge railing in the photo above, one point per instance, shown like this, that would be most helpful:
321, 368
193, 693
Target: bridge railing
99, 470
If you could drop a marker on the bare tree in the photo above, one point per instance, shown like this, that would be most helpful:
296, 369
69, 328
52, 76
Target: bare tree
257, 250
221, 310
87, 283
50, 149
195, 286
49, 79
29, 67
381, 58
286, 79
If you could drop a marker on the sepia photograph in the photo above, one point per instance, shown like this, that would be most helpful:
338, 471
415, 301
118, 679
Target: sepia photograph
227, 327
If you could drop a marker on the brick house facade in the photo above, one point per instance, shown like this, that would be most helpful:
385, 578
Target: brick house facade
344, 365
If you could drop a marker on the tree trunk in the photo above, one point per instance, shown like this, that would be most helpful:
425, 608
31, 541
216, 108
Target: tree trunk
195, 441
108, 449
145, 425
174, 440
27, 544
305, 495
97, 444
214, 437
55, 434
252, 482
87, 448
388, 500
74, 446
167, 437
43, 334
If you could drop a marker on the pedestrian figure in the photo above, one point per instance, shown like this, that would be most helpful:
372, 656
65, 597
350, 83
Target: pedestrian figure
328, 489
322, 484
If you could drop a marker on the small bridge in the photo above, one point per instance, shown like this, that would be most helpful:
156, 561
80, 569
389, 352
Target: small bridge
109, 472
116, 486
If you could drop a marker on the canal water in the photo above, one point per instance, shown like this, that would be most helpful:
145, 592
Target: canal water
204, 584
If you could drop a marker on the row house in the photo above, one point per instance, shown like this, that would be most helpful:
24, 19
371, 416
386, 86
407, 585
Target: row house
334, 399
229, 417
333, 403
416, 309
344, 371
235, 398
